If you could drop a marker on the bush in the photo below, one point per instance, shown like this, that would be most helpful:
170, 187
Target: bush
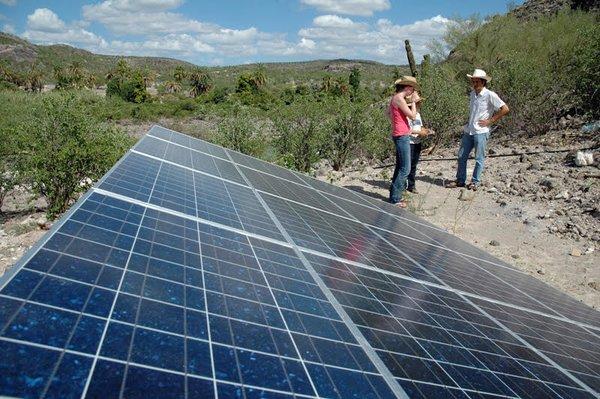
542, 68
299, 134
240, 133
62, 147
346, 132
9, 176
445, 104
377, 143
586, 66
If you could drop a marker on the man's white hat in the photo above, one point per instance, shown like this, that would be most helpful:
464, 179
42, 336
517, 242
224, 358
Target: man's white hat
479, 74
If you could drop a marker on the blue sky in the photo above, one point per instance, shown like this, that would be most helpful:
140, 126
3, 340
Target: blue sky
226, 32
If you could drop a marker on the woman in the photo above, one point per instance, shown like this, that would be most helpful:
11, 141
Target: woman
417, 132
399, 112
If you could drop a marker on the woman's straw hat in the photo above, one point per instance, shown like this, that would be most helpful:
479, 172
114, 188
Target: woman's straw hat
408, 81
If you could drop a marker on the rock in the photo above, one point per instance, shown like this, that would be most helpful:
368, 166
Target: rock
576, 252
492, 151
515, 256
534, 165
466, 195
584, 158
541, 271
41, 221
3, 233
563, 122
589, 250
494, 243
562, 194
523, 158
492, 190
548, 183
594, 285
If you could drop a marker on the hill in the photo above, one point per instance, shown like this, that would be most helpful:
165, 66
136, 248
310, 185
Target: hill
20, 54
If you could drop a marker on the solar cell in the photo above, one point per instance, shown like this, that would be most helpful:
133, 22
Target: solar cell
194, 271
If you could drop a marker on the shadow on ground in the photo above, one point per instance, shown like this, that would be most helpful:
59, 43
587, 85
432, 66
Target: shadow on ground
361, 190
435, 180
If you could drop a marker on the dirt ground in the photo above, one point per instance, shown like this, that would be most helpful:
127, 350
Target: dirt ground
538, 212
552, 233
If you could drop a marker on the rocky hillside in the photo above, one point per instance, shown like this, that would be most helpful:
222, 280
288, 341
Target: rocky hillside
532, 9
21, 54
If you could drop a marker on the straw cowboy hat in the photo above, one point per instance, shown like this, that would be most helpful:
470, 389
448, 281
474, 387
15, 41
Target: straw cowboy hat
408, 81
479, 74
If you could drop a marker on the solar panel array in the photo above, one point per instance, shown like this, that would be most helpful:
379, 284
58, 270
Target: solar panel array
192, 271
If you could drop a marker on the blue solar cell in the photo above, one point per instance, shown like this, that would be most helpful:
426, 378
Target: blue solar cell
174, 278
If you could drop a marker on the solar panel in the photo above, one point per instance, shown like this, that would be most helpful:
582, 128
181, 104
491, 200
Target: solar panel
191, 271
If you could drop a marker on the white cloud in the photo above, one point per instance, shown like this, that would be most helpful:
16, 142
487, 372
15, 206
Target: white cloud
45, 20
140, 17
168, 45
44, 26
8, 28
350, 7
334, 36
333, 21
307, 43
141, 5
8, 2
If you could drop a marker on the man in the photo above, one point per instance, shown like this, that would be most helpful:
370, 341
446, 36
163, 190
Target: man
486, 108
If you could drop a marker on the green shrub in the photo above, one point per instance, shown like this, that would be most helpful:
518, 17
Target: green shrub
377, 143
128, 84
586, 66
542, 68
9, 154
299, 134
346, 132
62, 147
240, 133
445, 104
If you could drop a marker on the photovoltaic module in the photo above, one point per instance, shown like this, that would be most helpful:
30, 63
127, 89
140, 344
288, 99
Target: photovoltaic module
193, 271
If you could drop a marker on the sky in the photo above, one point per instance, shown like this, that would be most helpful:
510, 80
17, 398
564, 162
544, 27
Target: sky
228, 32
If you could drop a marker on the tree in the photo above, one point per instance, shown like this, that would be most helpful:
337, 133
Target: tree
299, 130
346, 132
456, 31
122, 69
148, 76
354, 80
240, 133
61, 146
33, 79
172, 86
326, 83
179, 74
200, 81
253, 81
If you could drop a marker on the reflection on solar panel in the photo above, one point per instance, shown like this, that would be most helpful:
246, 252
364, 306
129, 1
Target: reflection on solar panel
191, 271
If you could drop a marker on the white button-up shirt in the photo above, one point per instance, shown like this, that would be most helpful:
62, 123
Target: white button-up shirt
482, 106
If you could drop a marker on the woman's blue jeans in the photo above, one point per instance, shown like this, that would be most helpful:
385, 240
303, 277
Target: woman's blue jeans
402, 168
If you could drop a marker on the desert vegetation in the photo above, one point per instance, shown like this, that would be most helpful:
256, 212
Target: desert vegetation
293, 114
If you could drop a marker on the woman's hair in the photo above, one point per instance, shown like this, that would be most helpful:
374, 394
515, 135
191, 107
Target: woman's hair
399, 88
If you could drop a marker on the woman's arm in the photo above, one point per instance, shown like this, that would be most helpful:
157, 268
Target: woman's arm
409, 111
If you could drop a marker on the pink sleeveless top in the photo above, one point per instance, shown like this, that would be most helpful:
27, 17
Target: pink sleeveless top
400, 126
